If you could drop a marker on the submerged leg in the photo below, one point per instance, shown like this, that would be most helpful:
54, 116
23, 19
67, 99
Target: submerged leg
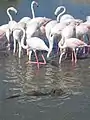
30, 52
36, 59
20, 48
61, 57
14, 50
75, 56
72, 56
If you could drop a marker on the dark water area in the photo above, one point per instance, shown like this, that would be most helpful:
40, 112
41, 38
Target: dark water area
17, 77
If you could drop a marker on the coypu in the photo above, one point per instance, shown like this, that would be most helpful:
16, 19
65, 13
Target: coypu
53, 92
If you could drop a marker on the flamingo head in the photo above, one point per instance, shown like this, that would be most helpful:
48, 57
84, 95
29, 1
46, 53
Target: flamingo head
13, 9
36, 3
58, 10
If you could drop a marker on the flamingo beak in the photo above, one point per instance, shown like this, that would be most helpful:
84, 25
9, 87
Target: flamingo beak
37, 5
55, 15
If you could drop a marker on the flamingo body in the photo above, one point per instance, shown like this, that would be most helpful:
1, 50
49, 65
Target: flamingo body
71, 43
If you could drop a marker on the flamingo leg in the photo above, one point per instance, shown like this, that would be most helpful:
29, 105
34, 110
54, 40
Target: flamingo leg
14, 50
61, 57
27, 52
43, 63
30, 52
72, 57
75, 56
20, 48
58, 49
36, 59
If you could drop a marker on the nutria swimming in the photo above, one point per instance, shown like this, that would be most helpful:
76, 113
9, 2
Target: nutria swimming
53, 92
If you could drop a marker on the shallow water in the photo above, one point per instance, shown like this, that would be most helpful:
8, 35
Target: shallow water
17, 77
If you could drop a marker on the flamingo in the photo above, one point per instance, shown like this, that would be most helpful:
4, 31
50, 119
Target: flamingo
56, 31
11, 24
22, 23
33, 44
69, 31
33, 27
72, 30
6, 29
26, 19
54, 26
31, 30
61, 17
70, 43
18, 34
81, 30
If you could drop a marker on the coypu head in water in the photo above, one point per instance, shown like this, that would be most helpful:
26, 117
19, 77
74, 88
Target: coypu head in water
57, 92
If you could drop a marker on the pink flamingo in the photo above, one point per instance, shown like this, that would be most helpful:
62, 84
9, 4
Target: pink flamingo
70, 43
33, 44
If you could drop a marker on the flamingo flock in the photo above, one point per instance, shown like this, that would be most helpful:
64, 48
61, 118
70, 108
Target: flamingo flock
30, 33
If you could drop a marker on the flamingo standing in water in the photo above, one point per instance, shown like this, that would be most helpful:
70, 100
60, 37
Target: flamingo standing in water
17, 33
6, 29
53, 26
70, 43
33, 44
11, 24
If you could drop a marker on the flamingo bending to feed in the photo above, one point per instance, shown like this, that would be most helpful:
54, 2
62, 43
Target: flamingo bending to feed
70, 43
33, 44
53, 26
61, 29
18, 34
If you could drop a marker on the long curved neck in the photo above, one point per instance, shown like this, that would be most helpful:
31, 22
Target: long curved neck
8, 13
62, 43
23, 38
32, 9
61, 13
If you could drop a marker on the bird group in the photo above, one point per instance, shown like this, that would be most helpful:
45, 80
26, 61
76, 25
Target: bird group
30, 33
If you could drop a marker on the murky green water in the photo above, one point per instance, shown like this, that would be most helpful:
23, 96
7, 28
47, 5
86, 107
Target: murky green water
17, 77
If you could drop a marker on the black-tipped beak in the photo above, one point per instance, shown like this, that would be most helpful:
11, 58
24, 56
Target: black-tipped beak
55, 15
37, 5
